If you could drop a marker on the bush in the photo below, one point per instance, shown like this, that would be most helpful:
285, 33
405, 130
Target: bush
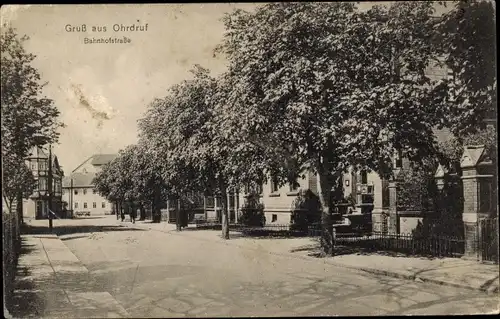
447, 219
306, 211
252, 212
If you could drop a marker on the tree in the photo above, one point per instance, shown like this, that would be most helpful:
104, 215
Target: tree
28, 117
465, 39
324, 87
17, 178
451, 151
189, 133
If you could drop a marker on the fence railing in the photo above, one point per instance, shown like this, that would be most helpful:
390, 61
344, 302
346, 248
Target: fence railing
488, 239
406, 243
270, 230
11, 246
442, 246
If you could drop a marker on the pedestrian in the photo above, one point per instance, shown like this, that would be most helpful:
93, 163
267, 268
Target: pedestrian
122, 213
132, 215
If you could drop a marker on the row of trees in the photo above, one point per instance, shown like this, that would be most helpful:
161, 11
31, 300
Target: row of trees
29, 118
313, 86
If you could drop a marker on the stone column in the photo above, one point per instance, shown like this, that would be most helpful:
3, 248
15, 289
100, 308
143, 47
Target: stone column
473, 177
393, 222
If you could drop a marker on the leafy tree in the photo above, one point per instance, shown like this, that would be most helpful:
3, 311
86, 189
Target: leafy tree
465, 39
306, 211
252, 211
28, 117
324, 87
451, 151
190, 133
17, 179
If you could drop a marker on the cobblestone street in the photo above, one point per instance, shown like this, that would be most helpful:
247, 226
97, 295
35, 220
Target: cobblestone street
157, 274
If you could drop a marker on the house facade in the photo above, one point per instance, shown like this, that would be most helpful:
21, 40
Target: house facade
44, 166
78, 189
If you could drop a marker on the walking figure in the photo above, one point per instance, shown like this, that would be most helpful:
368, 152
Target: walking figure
132, 215
122, 214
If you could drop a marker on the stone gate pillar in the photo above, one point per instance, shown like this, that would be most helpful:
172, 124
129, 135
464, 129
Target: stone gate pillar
477, 193
393, 219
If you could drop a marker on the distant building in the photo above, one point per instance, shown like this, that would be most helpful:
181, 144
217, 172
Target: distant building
38, 203
78, 189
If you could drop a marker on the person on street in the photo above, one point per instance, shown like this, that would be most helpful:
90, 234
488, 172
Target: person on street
122, 213
133, 214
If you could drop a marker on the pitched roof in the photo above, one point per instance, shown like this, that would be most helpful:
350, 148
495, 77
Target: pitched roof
101, 159
79, 180
37, 152
97, 159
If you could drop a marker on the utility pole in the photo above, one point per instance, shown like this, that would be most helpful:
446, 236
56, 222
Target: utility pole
50, 188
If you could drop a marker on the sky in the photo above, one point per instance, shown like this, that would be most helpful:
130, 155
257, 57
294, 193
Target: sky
102, 90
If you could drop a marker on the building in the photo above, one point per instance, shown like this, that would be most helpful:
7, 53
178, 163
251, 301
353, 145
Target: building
79, 192
37, 206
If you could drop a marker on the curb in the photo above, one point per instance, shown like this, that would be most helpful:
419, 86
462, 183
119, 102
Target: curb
488, 290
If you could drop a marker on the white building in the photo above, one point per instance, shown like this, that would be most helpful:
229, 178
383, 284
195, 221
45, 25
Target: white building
78, 189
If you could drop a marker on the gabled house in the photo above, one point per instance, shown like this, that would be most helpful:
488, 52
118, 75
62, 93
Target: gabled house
78, 189
44, 166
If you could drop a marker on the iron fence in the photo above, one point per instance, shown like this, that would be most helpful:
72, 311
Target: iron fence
276, 230
11, 246
272, 230
441, 246
488, 239
437, 246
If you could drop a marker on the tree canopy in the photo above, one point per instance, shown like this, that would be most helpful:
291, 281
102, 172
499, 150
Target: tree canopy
28, 117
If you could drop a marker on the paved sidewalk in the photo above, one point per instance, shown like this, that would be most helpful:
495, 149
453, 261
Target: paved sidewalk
455, 272
52, 282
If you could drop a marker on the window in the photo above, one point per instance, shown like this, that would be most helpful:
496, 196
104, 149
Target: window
76, 204
33, 166
43, 183
94, 205
274, 184
253, 187
84, 205
94, 191
84, 191
274, 218
399, 159
103, 204
76, 191
364, 177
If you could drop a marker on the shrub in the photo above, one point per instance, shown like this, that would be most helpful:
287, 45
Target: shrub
252, 212
306, 210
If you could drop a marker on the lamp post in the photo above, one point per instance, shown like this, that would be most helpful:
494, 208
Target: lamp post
50, 187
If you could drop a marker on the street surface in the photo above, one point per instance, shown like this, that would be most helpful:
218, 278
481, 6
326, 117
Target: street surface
159, 274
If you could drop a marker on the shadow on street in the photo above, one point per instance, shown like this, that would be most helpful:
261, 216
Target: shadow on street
61, 230
25, 301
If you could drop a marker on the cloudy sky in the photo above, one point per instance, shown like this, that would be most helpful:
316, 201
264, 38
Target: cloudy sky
103, 89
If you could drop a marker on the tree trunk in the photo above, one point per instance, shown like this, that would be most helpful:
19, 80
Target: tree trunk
143, 212
225, 214
156, 206
324, 193
178, 215
19, 208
